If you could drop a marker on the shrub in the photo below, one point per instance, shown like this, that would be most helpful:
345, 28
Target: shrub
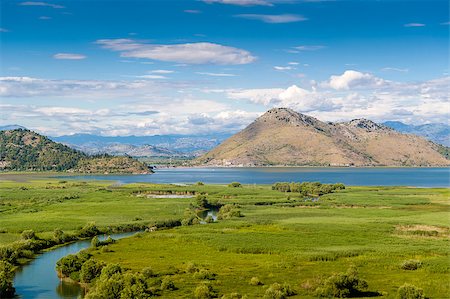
229, 211
204, 291
90, 270
59, 236
201, 201
233, 296
191, 268
342, 285
199, 183
411, 265
409, 291
89, 230
204, 274
209, 219
235, 185
148, 272
167, 284
278, 291
70, 264
254, 281
95, 242
28, 235
110, 269
7, 289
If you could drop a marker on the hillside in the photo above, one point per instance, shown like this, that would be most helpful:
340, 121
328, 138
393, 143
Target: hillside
437, 132
24, 150
284, 137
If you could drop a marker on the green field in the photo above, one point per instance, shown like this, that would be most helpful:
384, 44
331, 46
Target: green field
280, 238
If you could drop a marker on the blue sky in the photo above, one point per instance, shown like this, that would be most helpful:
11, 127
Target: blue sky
161, 67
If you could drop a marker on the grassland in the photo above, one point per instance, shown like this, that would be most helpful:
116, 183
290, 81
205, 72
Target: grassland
281, 238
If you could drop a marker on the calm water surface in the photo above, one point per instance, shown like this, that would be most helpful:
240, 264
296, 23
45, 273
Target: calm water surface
38, 279
418, 177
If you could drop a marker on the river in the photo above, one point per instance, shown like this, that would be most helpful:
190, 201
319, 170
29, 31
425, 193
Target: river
38, 279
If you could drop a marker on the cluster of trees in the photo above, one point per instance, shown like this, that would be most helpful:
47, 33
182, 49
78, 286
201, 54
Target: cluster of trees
229, 211
307, 188
343, 285
6, 280
110, 280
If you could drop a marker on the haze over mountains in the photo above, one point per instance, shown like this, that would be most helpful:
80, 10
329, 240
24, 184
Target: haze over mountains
284, 137
196, 145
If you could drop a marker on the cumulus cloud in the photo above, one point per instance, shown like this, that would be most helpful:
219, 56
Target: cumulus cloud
355, 94
241, 2
69, 56
274, 19
35, 3
191, 53
353, 79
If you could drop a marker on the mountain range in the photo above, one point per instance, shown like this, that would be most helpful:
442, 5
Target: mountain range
282, 136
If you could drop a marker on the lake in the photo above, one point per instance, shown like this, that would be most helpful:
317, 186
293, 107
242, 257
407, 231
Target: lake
417, 177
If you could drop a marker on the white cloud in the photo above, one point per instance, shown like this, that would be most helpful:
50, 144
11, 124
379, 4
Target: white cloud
353, 79
34, 3
395, 69
241, 2
152, 77
445, 23
4, 30
69, 56
162, 71
293, 63
192, 11
44, 18
309, 47
283, 68
191, 53
274, 19
216, 74
414, 25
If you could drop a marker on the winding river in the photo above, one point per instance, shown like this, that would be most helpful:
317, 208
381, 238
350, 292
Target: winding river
38, 279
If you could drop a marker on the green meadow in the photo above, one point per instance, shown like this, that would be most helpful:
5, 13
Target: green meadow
280, 238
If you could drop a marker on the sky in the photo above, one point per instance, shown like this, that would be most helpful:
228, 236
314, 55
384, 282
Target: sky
112, 67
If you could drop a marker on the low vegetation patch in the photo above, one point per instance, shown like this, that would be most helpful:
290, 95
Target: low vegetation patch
409, 291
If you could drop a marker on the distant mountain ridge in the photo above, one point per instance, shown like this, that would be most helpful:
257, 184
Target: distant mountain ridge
284, 137
24, 150
437, 132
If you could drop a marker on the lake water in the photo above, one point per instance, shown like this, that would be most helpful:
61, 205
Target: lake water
418, 177
38, 279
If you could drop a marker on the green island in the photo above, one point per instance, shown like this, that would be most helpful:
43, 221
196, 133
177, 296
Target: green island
270, 241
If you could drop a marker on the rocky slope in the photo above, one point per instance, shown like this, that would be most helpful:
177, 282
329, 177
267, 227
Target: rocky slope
284, 137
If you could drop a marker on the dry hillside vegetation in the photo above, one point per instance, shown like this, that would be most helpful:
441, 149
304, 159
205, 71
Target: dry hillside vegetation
284, 137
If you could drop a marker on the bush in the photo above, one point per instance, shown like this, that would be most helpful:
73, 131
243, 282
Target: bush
95, 242
59, 236
7, 289
342, 285
70, 264
200, 184
229, 211
409, 291
167, 284
204, 291
89, 230
411, 265
201, 201
278, 291
254, 281
233, 296
191, 268
148, 272
111, 269
204, 274
28, 235
90, 270
235, 185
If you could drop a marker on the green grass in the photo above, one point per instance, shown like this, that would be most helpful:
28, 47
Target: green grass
281, 237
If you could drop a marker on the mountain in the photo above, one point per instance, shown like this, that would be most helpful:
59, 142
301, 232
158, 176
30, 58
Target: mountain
173, 145
439, 133
11, 127
121, 149
284, 137
26, 150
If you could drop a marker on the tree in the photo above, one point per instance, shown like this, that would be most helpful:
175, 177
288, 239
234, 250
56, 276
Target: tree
7, 289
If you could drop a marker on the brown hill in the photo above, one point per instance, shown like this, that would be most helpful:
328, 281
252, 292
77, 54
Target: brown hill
284, 137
